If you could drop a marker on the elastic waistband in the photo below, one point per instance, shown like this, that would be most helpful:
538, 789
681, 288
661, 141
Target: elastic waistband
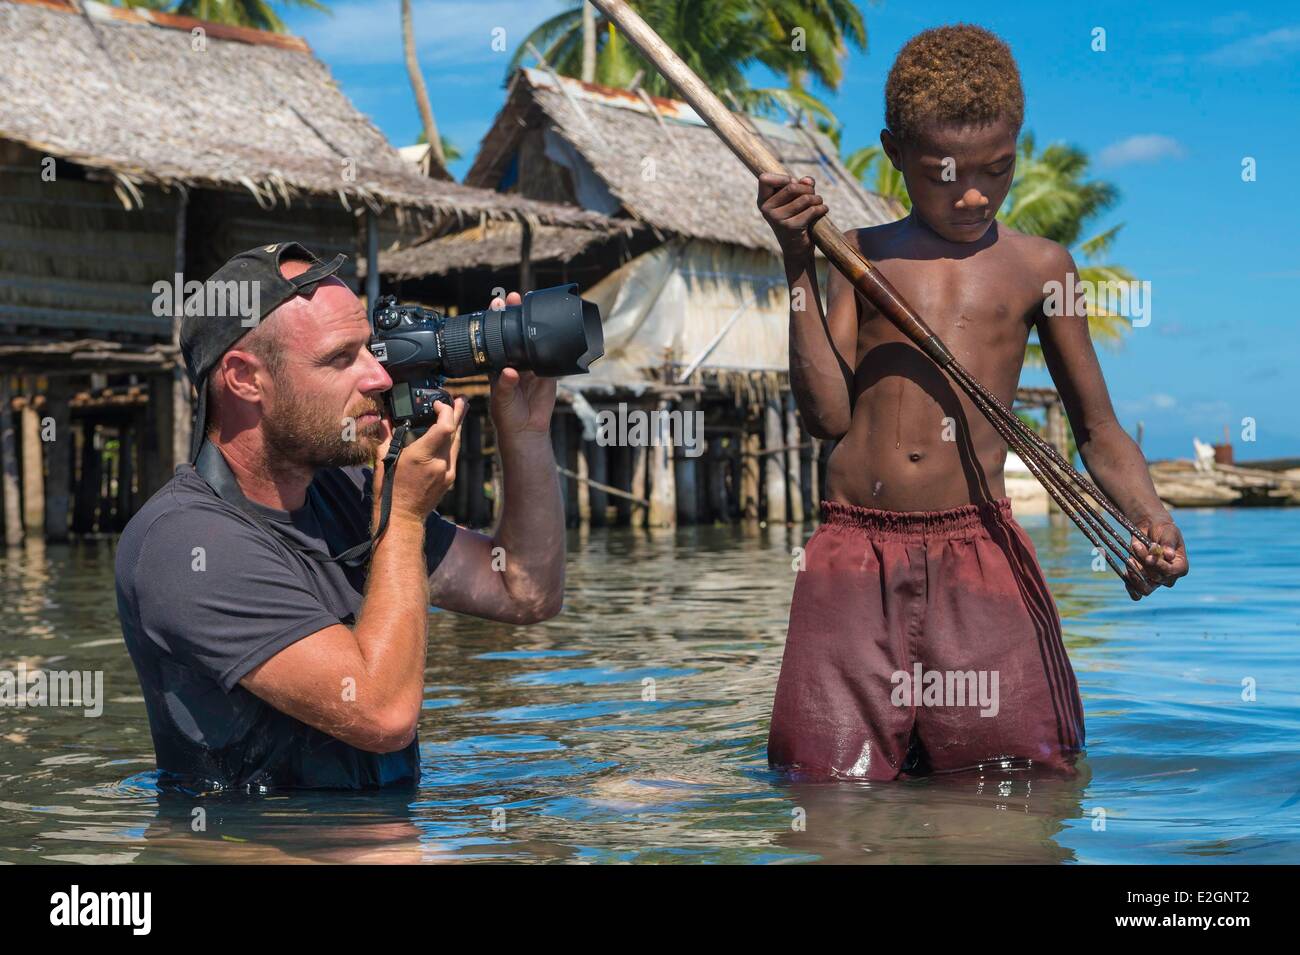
953, 523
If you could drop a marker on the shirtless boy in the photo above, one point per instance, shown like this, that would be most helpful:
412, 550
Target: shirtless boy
918, 560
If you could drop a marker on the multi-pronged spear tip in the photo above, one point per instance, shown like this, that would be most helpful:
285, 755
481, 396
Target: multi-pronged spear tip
1066, 485
1071, 490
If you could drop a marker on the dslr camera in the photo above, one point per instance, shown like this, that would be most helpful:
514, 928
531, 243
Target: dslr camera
552, 333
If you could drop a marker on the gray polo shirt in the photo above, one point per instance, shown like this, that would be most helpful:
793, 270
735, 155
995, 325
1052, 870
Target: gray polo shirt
204, 595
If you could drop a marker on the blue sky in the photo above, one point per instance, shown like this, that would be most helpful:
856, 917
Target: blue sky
1182, 93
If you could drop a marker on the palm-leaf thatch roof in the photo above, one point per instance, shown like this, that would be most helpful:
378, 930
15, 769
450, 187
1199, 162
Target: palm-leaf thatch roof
655, 160
160, 99
493, 245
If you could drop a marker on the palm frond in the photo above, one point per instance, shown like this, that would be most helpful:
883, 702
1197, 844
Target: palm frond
1100, 244
544, 35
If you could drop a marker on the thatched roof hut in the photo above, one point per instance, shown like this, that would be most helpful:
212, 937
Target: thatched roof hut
651, 159
649, 162
704, 300
152, 98
136, 147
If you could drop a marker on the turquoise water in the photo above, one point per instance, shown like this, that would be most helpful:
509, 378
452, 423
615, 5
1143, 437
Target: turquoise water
548, 744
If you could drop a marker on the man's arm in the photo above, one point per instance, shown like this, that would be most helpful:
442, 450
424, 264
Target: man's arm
517, 574
1110, 455
362, 685
365, 685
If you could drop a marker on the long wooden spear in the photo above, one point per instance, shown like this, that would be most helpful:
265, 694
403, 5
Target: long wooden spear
1070, 489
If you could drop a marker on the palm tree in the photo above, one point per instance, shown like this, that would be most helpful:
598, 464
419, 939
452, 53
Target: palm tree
257, 14
874, 170
720, 40
588, 42
1049, 197
417, 86
450, 151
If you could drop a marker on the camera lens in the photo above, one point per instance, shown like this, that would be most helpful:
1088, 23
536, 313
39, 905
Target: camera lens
553, 333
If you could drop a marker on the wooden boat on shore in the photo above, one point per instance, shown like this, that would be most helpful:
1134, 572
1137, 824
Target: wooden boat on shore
1181, 483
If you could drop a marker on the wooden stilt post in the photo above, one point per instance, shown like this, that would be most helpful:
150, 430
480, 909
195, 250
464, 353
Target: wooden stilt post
663, 486
477, 511
156, 446
33, 467
814, 475
139, 436
56, 445
1056, 434
702, 484
460, 490
104, 517
83, 517
637, 457
620, 467
1056, 437
125, 476
774, 462
598, 470
750, 460
793, 460
718, 479
583, 489
566, 456
13, 516
685, 470
182, 409
735, 473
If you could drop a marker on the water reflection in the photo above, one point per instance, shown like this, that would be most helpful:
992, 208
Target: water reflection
964, 818
633, 726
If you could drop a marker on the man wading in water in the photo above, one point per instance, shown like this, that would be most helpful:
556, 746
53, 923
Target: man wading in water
262, 665
918, 562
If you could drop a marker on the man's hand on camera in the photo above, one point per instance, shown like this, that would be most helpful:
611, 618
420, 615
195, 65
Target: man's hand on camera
426, 469
521, 403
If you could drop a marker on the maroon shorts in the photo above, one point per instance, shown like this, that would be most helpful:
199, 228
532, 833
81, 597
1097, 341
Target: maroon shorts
923, 642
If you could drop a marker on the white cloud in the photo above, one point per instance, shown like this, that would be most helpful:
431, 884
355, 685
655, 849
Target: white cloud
1150, 404
1263, 48
1221, 25
1151, 147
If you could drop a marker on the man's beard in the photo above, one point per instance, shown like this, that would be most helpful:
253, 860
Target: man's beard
300, 434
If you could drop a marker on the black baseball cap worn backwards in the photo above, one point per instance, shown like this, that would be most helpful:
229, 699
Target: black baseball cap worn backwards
205, 338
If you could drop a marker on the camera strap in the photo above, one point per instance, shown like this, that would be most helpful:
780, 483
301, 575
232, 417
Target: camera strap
212, 467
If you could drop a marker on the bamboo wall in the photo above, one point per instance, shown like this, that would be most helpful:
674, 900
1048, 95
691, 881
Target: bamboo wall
72, 258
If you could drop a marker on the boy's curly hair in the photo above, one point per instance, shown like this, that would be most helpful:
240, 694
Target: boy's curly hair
959, 75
